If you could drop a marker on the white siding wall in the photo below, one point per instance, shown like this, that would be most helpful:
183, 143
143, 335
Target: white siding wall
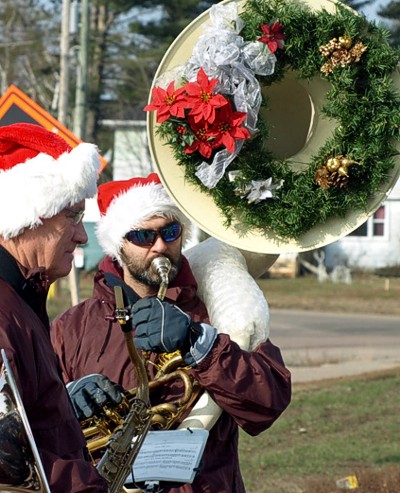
131, 152
370, 253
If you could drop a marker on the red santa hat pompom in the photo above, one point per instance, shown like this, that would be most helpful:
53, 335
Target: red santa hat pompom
126, 204
41, 174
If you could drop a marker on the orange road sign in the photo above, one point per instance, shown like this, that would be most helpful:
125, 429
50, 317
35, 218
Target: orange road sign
15, 106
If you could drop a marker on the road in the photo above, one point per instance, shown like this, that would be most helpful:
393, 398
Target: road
319, 345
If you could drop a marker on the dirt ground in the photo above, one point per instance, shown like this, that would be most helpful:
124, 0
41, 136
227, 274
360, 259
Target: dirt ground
387, 480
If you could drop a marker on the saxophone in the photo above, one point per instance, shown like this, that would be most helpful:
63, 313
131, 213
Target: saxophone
124, 444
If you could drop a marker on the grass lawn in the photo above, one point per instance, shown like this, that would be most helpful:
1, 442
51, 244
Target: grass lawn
366, 294
330, 431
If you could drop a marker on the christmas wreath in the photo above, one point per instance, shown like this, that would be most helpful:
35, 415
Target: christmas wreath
208, 111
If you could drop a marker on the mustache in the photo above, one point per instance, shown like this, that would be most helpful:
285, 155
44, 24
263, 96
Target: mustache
149, 268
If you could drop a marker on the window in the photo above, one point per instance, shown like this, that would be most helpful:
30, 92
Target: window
375, 226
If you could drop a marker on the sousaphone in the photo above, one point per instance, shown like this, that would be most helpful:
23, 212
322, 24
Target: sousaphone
21, 468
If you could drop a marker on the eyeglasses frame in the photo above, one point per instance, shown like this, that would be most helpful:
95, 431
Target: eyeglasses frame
78, 215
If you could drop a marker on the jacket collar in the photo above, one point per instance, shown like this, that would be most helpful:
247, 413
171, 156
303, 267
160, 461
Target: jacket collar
31, 284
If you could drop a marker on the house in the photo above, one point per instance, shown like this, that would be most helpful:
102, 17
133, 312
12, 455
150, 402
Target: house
131, 155
375, 244
88, 256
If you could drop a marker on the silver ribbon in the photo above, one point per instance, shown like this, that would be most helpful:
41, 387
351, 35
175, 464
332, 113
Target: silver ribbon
224, 55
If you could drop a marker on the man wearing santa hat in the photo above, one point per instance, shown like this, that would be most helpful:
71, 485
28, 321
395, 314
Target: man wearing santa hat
43, 186
139, 223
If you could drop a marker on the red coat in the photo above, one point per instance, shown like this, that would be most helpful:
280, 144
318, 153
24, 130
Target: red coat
253, 388
24, 335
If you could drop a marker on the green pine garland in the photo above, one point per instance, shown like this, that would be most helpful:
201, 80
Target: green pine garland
361, 99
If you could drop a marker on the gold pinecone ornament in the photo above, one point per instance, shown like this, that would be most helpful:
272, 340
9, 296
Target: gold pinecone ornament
342, 52
334, 173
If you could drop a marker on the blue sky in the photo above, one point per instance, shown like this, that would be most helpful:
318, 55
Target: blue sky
370, 10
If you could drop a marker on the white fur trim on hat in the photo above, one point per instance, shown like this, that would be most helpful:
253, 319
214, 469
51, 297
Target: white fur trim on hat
42, 186
130, 209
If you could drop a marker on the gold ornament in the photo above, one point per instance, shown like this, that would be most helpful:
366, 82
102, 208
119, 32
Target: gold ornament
357, 50
338, 181
341, 52
322, 177
345, 42
335, 172
333, 164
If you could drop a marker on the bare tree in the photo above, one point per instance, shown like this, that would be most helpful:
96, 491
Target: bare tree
29, 48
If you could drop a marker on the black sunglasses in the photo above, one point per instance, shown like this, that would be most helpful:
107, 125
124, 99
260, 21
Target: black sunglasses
147, 237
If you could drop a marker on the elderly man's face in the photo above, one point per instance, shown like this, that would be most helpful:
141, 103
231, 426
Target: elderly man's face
137, 260
52, 244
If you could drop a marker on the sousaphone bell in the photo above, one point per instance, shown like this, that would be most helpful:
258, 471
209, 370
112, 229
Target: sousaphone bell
298, 130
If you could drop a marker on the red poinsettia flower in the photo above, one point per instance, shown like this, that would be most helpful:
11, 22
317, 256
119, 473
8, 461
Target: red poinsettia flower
204, 138
202, 101
228, 129
273, 36
168, 102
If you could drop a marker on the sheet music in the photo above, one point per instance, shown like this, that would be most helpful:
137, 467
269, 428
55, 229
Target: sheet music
172, 455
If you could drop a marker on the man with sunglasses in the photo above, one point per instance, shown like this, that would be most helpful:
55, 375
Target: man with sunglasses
43, 186
139, 223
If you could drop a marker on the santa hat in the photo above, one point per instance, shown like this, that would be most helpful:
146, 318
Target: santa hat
126, 204
40, 174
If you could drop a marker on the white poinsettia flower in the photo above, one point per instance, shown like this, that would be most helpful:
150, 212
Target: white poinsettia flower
262, 190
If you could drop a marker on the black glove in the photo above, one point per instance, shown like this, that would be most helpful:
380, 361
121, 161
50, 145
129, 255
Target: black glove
89, 394
163, 327
160, 326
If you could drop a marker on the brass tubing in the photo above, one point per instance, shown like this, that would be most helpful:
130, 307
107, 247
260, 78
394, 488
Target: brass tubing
164, 414
143, 387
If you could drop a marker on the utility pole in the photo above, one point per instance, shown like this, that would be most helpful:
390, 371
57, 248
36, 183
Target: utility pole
79, 123
64, 64
80, 110
82, 73
63, 105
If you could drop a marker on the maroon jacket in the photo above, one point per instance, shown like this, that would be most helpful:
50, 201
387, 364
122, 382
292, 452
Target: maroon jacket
252, 388
24, 335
